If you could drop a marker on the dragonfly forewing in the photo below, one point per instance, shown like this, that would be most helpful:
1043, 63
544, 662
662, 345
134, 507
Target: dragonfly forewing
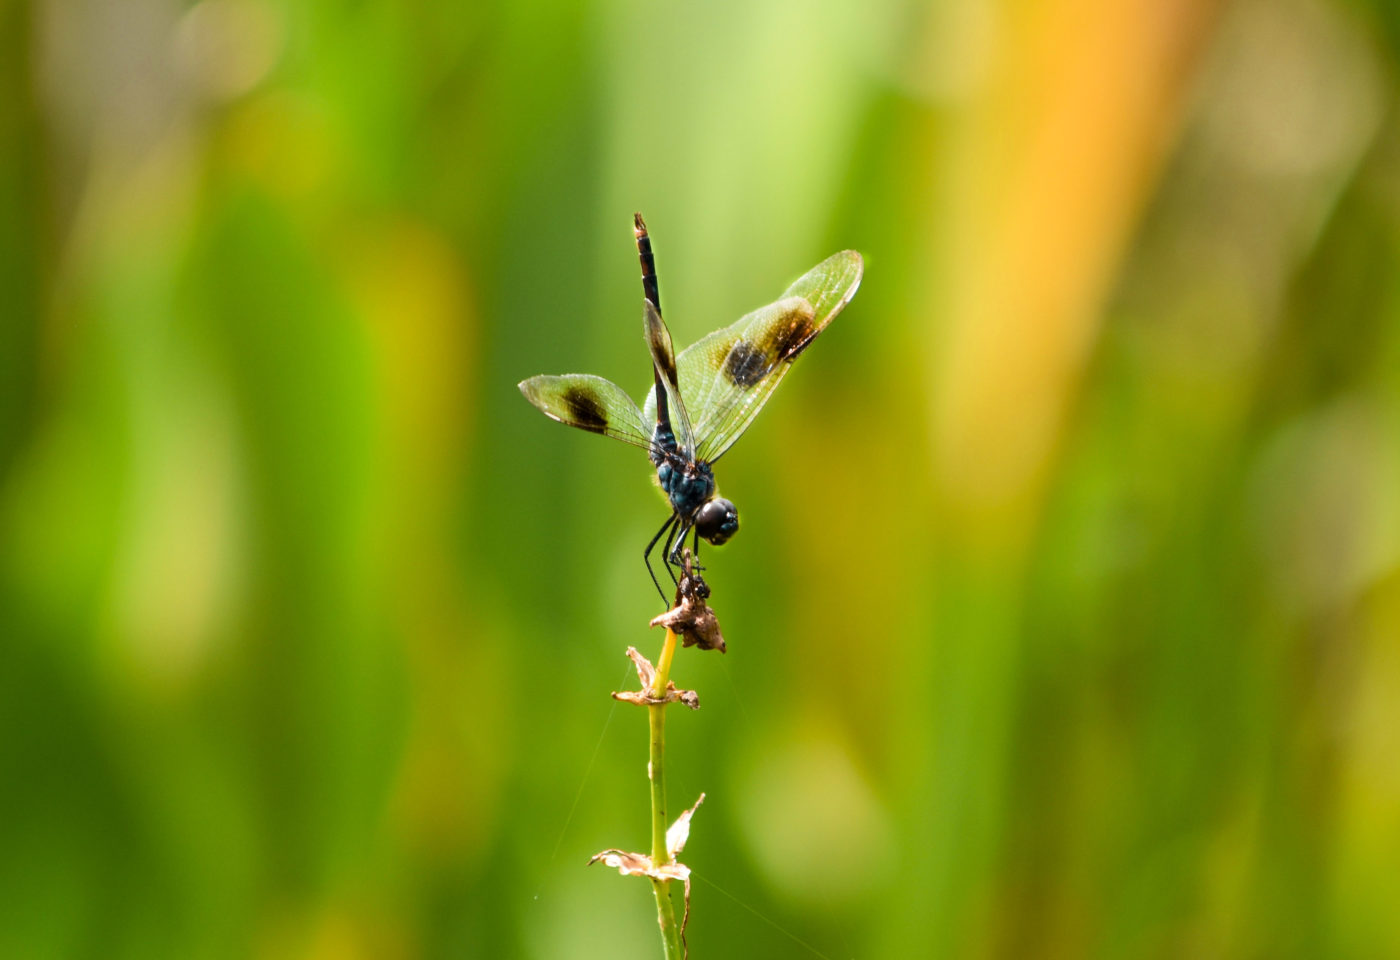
729, 375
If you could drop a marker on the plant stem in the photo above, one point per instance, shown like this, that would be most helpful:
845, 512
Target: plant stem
665, 910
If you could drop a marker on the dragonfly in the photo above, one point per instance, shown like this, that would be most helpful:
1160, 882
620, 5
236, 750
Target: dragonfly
702, 400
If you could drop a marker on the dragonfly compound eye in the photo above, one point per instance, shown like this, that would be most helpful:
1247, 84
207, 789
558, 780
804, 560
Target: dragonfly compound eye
717, 520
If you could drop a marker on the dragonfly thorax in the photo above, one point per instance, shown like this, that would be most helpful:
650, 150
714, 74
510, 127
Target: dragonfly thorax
688, 484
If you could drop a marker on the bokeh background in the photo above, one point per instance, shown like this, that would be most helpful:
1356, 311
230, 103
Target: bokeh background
1063, 622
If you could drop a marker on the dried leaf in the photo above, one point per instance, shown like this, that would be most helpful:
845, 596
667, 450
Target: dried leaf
679, 831
673, 695
639, 864
646, 673
691, 618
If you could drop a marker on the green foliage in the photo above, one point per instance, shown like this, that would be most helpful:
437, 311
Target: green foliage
1062, 620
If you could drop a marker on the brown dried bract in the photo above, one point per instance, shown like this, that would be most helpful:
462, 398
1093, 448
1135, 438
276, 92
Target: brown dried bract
646, 673
691, 618
639, 864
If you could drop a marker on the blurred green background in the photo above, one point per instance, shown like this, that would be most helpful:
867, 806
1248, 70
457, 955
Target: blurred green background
1063, 622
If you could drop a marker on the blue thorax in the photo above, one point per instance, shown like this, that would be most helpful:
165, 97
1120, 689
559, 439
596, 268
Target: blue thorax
688, 484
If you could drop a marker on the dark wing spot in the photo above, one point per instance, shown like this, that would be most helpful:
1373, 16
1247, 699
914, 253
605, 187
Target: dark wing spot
585, 411
745, 365
661, 350
668, 369
788, 342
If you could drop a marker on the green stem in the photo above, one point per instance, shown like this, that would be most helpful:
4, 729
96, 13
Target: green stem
665, 910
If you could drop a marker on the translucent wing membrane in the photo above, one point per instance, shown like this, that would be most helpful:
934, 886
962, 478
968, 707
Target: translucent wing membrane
729, 375
663, 357
589, 403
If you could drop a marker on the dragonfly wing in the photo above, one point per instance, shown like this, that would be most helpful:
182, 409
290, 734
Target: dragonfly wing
730, 374
589, 403
663, 357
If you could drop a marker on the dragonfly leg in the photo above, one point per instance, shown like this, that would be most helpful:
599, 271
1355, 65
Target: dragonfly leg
646, 554
668, 552
694, 550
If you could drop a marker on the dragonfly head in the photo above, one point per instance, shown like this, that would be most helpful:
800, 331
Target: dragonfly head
717, 520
